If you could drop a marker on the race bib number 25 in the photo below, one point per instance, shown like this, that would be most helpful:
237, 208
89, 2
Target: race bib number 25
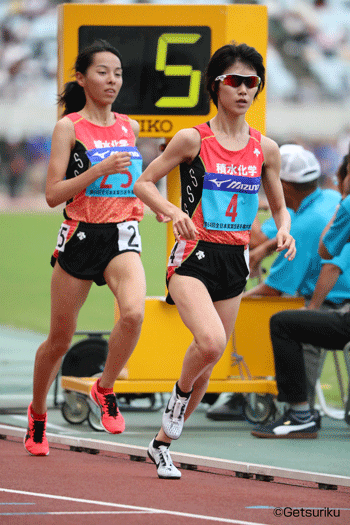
118, 184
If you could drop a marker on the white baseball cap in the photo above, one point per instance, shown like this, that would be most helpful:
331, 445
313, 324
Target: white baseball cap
298, 164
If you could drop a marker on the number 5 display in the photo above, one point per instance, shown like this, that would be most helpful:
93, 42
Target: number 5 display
186, 71
163, 65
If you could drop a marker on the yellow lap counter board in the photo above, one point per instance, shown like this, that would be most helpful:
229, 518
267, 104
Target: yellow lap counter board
156, 362
165, 50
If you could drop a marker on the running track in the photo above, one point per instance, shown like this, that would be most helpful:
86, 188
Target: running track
73, 488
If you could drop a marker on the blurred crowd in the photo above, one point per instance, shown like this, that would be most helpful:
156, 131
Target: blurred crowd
308, 62
28, 51
309, 50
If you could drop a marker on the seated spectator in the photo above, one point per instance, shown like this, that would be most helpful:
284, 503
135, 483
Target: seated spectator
337, 232
290, 330
310, 208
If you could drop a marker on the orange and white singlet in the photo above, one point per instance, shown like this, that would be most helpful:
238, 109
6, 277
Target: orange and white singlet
109, 199
220, 188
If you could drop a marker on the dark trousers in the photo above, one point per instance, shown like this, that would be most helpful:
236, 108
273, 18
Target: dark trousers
289, 330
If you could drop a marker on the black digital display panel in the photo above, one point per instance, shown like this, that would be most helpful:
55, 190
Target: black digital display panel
163, 67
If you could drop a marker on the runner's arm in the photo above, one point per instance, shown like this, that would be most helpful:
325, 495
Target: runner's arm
182, 148
274, 192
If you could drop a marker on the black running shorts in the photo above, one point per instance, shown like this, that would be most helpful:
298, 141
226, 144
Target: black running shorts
85, 250
222, 268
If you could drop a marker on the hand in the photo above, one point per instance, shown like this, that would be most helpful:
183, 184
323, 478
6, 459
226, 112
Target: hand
118, 162
286, 242
183, 226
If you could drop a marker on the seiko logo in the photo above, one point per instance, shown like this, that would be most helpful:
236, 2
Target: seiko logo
156, 126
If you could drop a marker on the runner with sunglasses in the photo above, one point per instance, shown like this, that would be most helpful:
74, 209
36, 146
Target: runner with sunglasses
222, 163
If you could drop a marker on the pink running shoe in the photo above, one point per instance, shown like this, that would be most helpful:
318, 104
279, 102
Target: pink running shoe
111, 418
35, 441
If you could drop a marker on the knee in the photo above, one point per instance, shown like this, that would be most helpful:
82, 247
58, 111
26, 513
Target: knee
132, 318
58, 343
211, 348
276, 322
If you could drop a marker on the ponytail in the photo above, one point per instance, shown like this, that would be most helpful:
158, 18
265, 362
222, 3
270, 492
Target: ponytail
72, 98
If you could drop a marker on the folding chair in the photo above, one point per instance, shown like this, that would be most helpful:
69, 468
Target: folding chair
335, 413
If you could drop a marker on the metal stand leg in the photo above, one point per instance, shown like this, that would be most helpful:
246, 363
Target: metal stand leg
347, 364
335, 413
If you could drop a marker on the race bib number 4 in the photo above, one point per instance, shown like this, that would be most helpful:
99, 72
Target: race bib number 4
118, 184
229, 203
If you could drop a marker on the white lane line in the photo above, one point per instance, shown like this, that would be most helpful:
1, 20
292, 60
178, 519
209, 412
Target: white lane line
191, 459
16, 503
133, 507
58, 513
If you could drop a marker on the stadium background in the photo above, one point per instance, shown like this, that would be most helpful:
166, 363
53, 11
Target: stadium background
308, 81
308, 100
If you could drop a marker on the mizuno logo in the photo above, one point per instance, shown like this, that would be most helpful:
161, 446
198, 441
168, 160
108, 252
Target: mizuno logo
101, 155
237, 185
219, 182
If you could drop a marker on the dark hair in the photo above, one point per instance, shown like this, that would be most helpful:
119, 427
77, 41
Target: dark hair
343, 168
73, 96
302, 187
225, 57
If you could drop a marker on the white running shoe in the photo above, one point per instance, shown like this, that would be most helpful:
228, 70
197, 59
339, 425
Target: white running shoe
165, 466
173, 415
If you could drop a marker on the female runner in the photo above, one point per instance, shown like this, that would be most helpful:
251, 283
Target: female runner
221, 165
93, 166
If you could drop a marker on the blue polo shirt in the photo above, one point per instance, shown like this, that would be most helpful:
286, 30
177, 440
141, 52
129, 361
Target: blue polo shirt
307, 223
339, 233
341, 289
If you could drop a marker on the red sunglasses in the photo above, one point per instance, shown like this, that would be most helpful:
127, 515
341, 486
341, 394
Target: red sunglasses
251, 81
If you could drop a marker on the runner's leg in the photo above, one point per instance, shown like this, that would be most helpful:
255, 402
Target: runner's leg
125, 277
68, 295
211, 325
